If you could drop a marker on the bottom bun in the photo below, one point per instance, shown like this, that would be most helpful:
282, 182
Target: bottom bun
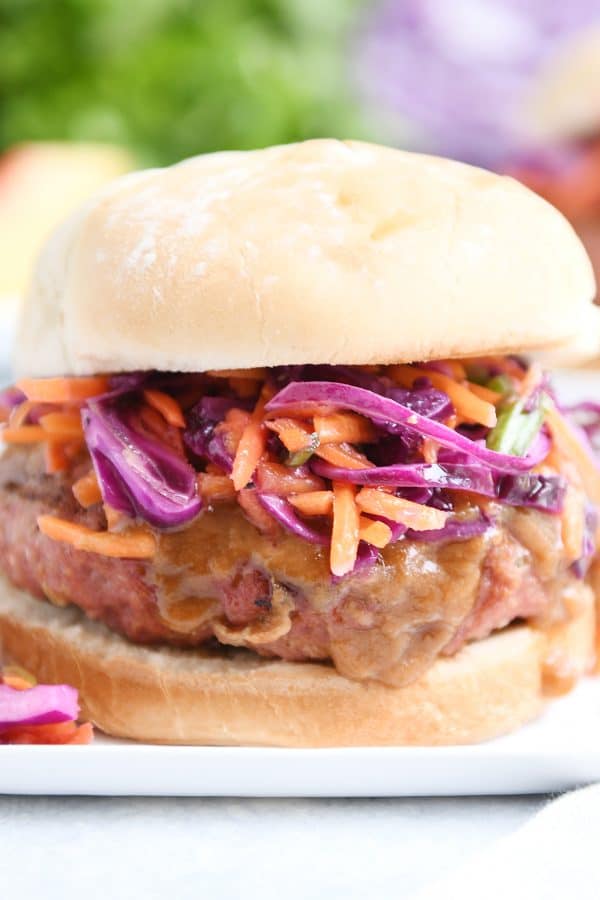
226, 696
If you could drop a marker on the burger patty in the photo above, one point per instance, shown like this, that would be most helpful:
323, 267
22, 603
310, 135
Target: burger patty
220, 578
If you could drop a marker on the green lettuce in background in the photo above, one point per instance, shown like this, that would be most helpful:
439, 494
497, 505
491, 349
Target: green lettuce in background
170, 78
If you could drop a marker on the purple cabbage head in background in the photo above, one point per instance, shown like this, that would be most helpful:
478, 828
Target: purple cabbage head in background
456, 76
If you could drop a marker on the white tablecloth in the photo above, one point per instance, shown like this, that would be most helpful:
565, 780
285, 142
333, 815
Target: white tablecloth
108, 848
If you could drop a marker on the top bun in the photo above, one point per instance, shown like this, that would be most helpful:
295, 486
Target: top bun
320, 252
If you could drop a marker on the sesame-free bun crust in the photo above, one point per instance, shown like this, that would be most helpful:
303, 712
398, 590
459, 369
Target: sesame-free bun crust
319, 252
234, 697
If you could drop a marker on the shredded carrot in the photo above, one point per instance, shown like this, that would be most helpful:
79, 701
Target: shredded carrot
569, 444
555, 461
250, 449
87, 490
466, 402
19, 414
114, 517
152, 420
215, 487
345, 530
17, 674
273, 478
15, 682
493, 397
296, 436
256, 512
72, 448
62, 426
456, 367
156, 424
55, 458
134, 544
167, 406
63, 390
214, 469
413, 515
343, 455
573, 523
252, 445
232, 427
429, 449
24, 434
313, 503
338, 428
57, 733
83, 735
253, 374
377, 533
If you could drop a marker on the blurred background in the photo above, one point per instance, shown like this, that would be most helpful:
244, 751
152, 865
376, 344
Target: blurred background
92, 88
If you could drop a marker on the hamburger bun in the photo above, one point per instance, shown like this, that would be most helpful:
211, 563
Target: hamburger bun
320, 252
204, 696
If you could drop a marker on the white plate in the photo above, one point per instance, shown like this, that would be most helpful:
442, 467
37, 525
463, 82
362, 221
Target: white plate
559, 751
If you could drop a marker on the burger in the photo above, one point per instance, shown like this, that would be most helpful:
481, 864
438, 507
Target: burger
280, 467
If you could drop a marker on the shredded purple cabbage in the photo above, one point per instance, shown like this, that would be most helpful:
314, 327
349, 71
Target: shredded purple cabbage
199, 434
459, 77
588, 548
11, 397
310, 397
366, 558
397, 528
154, 477
454, 530
286, 515
545, 492
474, 477
40, 705
124, 382
422, 399
138, 474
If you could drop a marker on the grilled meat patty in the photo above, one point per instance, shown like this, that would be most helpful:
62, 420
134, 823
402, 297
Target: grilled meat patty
221, 578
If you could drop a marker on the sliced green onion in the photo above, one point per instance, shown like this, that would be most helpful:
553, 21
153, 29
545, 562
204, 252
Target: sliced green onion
530, 424
302, 456
502, 436
501, 384
515, 430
